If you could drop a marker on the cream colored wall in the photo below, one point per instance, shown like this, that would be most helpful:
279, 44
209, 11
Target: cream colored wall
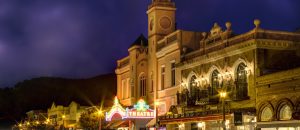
156, 13
167, 96
123, 77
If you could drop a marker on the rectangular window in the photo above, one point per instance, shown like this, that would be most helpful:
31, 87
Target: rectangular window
128, 88
173, 74
123, 89
152, 85
162, 78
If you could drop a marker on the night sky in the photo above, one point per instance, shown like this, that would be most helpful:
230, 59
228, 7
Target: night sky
84, 38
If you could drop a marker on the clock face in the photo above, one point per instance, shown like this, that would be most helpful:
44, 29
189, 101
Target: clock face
165, 22
151, 24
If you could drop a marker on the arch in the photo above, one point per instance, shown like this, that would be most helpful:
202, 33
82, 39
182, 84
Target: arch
284, 106
209, 72
266, 112
192, 86
237, 63
241, 81
191, 74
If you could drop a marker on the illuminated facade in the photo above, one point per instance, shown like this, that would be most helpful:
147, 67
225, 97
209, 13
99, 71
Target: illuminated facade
185, 72
68, 117
138, 114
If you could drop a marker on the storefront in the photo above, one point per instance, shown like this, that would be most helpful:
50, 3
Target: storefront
134, 118
210, 120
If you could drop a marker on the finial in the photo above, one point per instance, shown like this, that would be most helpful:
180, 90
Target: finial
204, 34
216, 25
256, 23
228, 25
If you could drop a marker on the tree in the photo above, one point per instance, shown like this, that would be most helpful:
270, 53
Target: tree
89, 119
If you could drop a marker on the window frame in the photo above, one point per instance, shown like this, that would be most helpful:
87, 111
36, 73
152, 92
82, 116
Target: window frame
162, 78
173, 73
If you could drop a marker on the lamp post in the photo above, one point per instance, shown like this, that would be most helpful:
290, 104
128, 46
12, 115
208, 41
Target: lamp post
99, 114
223, 96
63, 117
200, 125
156, 103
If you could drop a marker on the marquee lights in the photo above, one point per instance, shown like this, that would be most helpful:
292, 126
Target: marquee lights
140, 110
116, 109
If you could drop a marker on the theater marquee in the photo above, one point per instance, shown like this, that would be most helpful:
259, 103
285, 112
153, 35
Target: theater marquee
140, 110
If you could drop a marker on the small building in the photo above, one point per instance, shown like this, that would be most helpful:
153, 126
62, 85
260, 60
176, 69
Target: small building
68, 117
36, 115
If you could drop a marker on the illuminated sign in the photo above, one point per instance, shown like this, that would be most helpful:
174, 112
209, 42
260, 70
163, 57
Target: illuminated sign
140, 110
115, 111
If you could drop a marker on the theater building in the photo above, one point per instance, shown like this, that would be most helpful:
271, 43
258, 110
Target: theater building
198, 78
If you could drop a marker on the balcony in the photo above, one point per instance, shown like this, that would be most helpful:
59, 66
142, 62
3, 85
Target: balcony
196, 97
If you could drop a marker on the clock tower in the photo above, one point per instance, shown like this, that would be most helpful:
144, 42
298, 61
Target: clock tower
161, 22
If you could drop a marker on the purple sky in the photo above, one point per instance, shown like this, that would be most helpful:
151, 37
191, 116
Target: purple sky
84, 38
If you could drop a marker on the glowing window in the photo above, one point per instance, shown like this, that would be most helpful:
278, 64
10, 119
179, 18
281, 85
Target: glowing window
285, 113
266, 114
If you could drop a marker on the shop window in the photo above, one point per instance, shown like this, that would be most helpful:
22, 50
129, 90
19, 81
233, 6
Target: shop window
285, 113
266, 114
241, 81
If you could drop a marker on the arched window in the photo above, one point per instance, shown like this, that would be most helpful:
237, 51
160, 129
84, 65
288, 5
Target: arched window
214, 82
192, 86
241, 81
285, 113
143, 85
266, 114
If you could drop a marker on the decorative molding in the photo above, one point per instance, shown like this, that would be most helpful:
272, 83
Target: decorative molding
278, 77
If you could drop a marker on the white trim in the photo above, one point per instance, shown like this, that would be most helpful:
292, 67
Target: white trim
236, 65
210, 71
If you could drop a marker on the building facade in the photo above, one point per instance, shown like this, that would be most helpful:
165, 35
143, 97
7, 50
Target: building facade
186, 71
67, 117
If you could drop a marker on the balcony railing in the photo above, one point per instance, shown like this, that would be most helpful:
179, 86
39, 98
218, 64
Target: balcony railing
167, 40
196, 97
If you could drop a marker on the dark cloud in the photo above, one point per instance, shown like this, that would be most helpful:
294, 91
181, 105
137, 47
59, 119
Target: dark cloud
83, 38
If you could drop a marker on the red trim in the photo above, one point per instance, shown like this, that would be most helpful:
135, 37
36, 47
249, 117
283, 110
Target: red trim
190, 119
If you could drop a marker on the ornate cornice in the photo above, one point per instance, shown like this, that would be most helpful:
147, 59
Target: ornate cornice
123, 69
194, 60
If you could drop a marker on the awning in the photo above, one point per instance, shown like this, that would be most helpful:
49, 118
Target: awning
192, 119
273, 124
118, 123
151, 123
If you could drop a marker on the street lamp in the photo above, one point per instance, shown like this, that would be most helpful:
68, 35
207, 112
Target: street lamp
223, 96
200, 125
156, 103
99, 112
63, 117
